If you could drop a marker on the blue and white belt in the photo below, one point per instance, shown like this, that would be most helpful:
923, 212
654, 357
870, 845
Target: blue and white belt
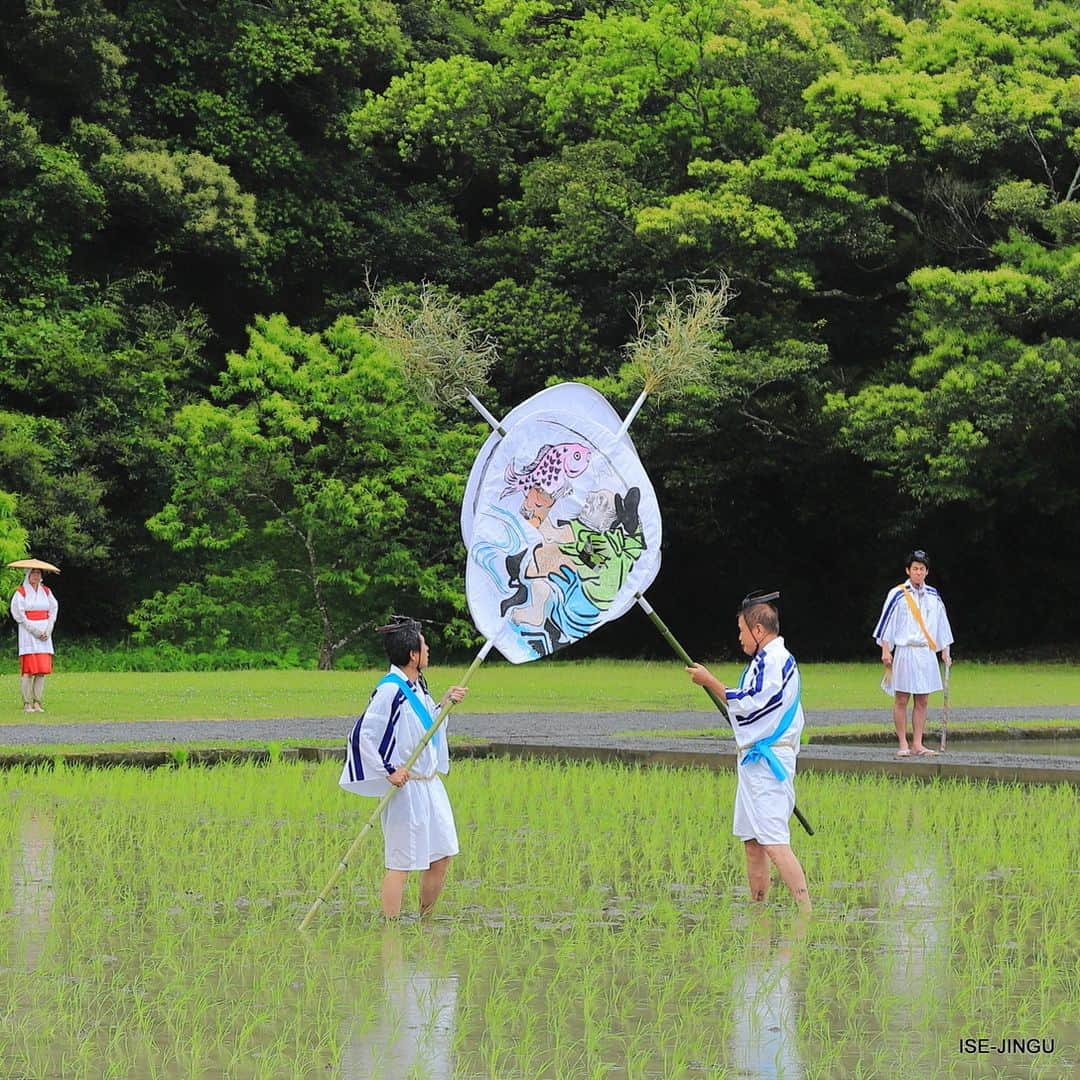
762, 750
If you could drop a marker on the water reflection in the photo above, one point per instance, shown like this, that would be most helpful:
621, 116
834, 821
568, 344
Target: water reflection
766, 1005
412, 1037
916, 946
32, 889
1023, 747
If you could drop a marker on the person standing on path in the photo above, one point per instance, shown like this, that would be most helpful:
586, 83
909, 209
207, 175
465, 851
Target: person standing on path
913, 628
34, 609
767, 719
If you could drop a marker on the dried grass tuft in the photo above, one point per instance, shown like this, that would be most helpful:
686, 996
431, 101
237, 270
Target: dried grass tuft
445, 357
673, 348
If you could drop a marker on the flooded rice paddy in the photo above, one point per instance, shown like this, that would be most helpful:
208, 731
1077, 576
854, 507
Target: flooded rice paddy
595, 926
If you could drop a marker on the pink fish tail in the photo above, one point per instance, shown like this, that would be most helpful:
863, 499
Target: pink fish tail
513, 481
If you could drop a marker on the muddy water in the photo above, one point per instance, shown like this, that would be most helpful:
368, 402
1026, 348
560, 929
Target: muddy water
32, 889
415, 1019
766, 1004
794, 999
1053, 747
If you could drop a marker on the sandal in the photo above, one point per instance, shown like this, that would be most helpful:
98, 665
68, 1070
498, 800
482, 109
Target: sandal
903, 753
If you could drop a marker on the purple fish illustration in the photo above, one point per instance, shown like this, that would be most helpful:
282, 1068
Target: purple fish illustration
554, 466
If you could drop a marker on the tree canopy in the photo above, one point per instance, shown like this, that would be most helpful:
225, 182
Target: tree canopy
196, 197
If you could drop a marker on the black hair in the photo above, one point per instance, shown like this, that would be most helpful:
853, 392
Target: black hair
401, 638
758, 608
918, 555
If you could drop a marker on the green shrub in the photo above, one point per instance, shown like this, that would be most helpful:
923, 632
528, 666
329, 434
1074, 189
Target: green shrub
164, 656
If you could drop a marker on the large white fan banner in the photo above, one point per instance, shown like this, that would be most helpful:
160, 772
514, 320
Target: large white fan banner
560, 522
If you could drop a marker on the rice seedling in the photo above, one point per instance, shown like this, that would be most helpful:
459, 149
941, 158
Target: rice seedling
596, 924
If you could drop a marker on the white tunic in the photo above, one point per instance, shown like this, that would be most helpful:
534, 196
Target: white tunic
35, 608
767, 692
914, 664
418, 823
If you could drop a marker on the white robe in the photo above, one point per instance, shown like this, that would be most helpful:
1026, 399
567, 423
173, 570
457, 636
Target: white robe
24, 606
769, 687
914, 664
418, 823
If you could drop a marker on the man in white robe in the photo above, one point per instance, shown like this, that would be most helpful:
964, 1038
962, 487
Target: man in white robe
418, 823
912, 629
34, 609
767, 719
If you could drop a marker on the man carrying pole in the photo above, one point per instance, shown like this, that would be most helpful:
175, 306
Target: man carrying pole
767, 720
417, 822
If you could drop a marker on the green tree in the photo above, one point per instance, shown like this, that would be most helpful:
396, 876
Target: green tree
317, 494
13, 543
88, 387
983, 407
989, 412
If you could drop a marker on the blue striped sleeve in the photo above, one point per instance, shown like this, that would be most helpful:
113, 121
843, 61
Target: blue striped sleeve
354, 759
886, 615
776, 701
389, 739
748, 687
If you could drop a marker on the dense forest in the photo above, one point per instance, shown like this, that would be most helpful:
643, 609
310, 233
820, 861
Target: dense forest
196, 195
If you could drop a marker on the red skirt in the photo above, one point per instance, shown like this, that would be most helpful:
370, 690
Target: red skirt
36, 663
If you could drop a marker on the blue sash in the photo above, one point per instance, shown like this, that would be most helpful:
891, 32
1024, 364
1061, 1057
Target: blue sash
418, 706
762, 749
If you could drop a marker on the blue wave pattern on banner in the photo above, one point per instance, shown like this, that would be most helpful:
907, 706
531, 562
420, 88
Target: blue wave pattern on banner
490, 555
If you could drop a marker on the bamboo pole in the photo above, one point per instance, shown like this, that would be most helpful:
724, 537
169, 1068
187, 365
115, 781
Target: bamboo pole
479, 406
945, 706
370, 824
683, 655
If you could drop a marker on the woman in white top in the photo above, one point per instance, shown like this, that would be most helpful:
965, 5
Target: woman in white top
34, 609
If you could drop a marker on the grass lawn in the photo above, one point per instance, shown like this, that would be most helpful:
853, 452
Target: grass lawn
557, 686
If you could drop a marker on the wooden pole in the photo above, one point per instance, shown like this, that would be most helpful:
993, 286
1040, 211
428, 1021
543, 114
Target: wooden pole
945, 707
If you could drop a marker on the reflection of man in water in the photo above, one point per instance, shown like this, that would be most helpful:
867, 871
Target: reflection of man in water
413, 1035
764, 1040
32, 895
914, 951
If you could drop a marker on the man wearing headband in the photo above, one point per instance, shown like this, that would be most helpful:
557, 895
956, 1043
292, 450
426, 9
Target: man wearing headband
418, 824
912, 629
767, 719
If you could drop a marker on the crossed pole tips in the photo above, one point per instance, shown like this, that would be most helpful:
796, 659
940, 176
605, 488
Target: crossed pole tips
409, 763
